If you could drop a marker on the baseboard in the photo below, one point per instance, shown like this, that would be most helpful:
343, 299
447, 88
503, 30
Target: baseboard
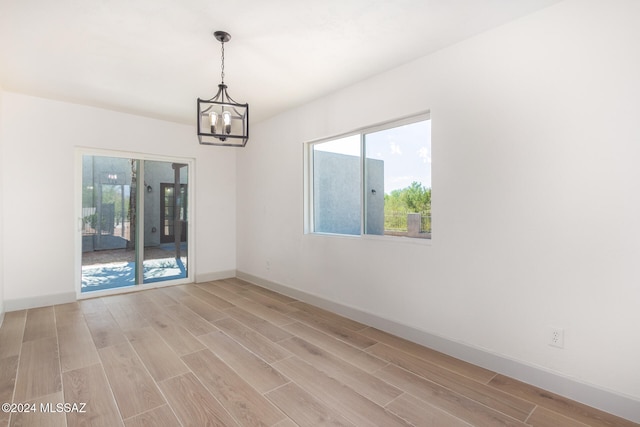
66, 297
605, 400
218, 275
39, 301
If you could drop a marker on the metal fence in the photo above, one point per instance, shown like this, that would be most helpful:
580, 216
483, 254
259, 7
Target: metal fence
425, 223
397, 221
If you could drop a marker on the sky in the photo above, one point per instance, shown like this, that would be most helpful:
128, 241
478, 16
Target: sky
405, 150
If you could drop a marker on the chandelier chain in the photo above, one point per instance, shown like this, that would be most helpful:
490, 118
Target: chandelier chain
222, 66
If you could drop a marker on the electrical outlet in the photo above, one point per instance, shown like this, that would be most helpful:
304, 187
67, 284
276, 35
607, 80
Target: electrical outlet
556, 337
268, 265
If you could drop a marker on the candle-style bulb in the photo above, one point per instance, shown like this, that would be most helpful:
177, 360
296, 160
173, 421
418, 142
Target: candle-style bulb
213, 120
226, 117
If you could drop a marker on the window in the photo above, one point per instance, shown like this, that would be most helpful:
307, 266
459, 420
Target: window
377, 181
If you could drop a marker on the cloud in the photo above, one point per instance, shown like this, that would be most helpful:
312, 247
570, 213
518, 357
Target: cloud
424, 154
395, 148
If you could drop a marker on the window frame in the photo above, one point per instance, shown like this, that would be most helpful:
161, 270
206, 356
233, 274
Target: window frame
308, 179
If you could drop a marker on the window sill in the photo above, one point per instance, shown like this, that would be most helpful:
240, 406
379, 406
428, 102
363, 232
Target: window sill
421, 241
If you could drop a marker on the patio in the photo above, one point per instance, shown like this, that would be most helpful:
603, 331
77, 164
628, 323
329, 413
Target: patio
115, 268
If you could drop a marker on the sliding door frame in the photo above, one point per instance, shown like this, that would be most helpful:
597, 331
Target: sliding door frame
141, 157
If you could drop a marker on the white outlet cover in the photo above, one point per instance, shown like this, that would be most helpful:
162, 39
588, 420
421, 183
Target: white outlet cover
556, 337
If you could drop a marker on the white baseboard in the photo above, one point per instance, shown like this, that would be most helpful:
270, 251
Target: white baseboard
605, 400
39, 301
218, 275
66, 297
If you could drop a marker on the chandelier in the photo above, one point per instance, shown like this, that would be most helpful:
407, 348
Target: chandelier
221, 120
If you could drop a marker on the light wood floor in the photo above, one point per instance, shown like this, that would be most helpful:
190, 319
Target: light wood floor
229, 353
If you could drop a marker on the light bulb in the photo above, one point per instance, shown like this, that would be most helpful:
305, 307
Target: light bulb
213, 119
226, 117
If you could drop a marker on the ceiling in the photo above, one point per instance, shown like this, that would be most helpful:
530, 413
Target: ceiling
155, 57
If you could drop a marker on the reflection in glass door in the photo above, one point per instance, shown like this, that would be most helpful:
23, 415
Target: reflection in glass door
108, 232
134, 222
168, 212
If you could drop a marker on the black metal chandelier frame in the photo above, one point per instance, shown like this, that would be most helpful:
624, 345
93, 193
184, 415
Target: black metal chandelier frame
221, 120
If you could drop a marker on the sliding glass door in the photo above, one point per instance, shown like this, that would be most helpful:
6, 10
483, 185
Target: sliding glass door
108, 237
165, 234
134, 222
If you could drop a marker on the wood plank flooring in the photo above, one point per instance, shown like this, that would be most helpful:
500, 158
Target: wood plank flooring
229, 353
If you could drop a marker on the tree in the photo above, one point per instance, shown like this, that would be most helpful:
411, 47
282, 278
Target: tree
417, 198
394, 201
131, 243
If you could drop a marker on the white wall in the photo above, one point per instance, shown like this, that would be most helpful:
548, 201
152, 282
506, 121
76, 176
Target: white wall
536, 200
1, 211
39, 141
